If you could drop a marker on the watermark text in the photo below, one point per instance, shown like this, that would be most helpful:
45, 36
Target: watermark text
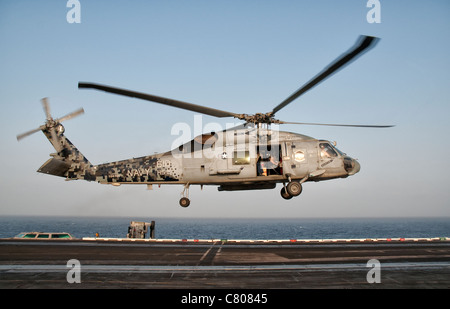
374, 274
74, 274
374, 14
74, 14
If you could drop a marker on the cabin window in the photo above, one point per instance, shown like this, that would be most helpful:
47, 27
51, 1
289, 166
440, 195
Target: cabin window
60, 236
241, 157
199, 143
207, 139
299, 156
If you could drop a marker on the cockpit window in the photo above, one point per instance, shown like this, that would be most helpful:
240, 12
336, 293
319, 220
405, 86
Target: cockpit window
340, 152
327, 151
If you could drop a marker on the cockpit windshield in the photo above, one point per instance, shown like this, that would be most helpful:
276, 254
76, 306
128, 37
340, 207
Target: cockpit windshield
327, 151
340, 152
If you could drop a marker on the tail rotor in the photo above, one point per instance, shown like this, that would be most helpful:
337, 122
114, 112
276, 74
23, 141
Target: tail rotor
53, 126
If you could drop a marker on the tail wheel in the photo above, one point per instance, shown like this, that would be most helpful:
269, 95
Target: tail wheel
184, 202
294, 188
285, 195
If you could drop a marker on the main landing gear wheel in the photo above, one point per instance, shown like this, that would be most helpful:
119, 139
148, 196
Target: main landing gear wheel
294, 188
285, 195
184, 202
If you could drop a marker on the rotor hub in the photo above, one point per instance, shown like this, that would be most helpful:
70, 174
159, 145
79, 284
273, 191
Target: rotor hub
259, 118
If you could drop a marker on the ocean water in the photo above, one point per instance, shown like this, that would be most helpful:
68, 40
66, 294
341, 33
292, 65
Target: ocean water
176, 228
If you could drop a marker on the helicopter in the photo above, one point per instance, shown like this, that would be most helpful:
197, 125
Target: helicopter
251, 156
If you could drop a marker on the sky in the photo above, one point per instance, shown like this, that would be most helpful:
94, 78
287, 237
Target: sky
239, 56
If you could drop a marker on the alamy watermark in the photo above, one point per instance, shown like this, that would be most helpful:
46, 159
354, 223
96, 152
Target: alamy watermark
74, 14
214, 141
374, 14
74, 274
374, 274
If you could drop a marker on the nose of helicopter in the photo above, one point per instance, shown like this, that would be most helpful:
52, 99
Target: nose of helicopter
356, 168
351, 165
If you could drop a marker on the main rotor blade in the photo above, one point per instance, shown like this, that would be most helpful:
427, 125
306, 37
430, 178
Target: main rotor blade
161, 100
338, 125
364, 43
71, 115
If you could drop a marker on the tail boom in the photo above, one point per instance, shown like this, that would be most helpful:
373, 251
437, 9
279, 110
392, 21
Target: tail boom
68, 161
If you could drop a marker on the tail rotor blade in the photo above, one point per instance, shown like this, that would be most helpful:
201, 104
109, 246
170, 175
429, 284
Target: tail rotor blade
71, 115
46, 108
23, 135
51, 124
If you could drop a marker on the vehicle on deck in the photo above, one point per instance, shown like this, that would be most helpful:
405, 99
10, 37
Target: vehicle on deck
41, 235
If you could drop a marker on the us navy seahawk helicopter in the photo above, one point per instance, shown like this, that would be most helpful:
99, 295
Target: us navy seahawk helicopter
251, 156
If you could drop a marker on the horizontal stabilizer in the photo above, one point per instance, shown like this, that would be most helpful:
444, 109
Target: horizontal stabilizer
54, 167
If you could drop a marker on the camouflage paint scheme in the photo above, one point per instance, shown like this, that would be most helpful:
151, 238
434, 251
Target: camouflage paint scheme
70, 163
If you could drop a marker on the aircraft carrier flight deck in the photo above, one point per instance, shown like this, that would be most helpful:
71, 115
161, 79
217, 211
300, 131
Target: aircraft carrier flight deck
225, 264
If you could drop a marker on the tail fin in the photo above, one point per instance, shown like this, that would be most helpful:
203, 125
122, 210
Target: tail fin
68, 161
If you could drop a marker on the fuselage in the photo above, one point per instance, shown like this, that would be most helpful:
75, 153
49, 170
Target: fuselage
235, 160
